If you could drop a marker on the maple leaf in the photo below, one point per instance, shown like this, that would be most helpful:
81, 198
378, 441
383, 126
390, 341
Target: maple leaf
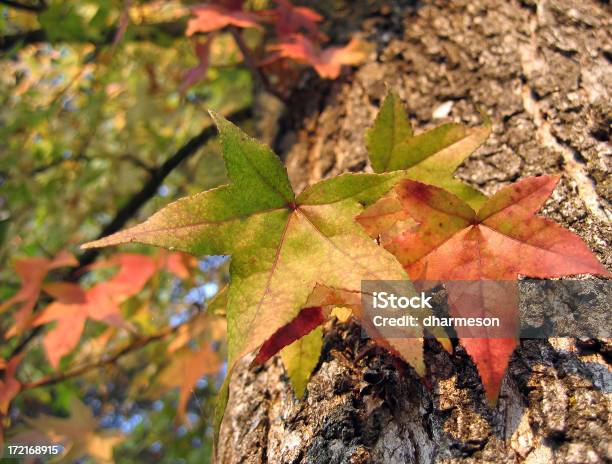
78, 433
186, 367
326, 61
299, 343
74, 305
9, 385
301, 356
209, 18
135, 270
501, 241
430, 157
32, 272
281, 245
290, 19
70, 311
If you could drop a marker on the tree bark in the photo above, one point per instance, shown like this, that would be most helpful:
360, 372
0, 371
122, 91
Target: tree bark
541, 71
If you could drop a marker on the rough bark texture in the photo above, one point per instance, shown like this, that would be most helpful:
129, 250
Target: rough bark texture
541, 70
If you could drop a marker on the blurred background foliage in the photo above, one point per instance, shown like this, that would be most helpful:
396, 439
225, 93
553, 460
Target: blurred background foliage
86, 116
81, 123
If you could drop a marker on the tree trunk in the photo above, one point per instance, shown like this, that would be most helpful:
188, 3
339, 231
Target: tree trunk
541, 71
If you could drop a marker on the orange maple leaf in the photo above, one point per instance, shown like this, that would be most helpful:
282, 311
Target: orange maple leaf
70, 311
136, 269
326, 61
32, 272
209, 18
501, 241
187, 366
74, 305
9, 385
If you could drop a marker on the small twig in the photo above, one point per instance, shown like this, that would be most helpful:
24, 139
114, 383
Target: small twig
21, 346
122, 24
251, 63
56, 162
24, 7
133, 346
137, 163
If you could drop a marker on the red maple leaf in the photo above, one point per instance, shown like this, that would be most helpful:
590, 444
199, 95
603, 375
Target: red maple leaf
326, 61
32, 272
501, 241
74, 305
209, 18
70, 311
290, 19
307, 320
9, 385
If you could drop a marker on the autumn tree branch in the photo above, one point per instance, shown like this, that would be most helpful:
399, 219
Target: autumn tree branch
28, 37
136, 344
23, 6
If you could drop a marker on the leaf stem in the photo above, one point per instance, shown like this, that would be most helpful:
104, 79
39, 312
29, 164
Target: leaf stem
251, 63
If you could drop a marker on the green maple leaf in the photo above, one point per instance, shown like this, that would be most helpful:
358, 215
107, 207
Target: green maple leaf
301, 357
430, 157
281, 245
